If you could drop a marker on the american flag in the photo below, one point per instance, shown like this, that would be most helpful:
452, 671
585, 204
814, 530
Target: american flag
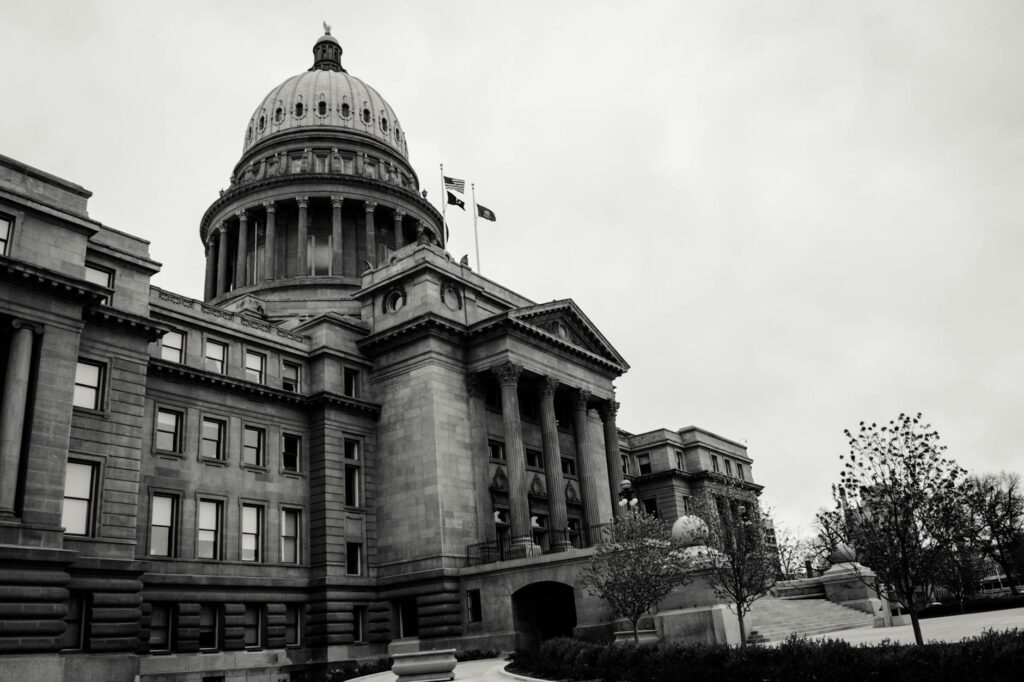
455, 184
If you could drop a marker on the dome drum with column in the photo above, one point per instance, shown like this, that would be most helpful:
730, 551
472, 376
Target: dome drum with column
323, 192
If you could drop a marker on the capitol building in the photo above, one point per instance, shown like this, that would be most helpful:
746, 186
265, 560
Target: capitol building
353, 445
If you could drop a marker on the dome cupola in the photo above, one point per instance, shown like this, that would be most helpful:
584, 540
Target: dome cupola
327, 52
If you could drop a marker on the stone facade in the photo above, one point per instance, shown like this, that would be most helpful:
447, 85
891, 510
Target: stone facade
352, 441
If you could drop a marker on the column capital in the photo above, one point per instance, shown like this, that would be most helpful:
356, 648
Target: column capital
221, 229
580, 399
399, 215
608, 410
337, 201
369, 206
271, 206
302, 201
548, 386
242, 215
508, 373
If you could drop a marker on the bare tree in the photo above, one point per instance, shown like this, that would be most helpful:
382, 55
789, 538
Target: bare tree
741, 567
830, 532
999, 502
635, 567
899, 497
794, 548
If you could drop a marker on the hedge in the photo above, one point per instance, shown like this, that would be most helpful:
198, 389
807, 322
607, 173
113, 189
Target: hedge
992, 656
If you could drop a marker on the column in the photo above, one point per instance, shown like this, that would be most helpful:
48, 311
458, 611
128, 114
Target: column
303, 236
481, 469
608, 411
241, 278
12, 414
336, 264
559, 521
210, 290
585, 464
270, 241
222, 259
515, 456
371, 234
399, 238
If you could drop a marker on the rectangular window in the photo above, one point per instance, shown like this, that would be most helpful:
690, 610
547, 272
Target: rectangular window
474, 607
351, 383
353, 498
539, 527
252, 533
88, 385
216, 356
253, 446
575, 537
534, 459
291, 448
253, 621
728, 468
643, 462
353, 558
496, 450
625, 463
163, 517
101, 276
209, 627
255, 366
351, 449
172, 347
290, 377
208, 544
161, 628
318, 254
290, 528
686, 504
292, 624
211, 445
679, 460
651, 506
6, 227
75, 622
78, 516
568, 466
359, 623
714, 463
384, 252
739, 472
168, 430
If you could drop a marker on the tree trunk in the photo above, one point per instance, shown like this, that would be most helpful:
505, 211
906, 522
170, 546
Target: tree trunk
743, 629
636, 632
915, 622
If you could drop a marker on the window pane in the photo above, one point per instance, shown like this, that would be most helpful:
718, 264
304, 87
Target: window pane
160, 541
79, 480
87, 375
208, 515
171, 346
85, 397
75, 518
289, 522
162, 507
97, 276
249, 519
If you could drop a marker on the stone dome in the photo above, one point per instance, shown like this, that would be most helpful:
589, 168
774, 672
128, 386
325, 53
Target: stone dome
325, 98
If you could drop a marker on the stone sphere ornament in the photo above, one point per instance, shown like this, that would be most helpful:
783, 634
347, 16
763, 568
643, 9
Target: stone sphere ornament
843, 554
690, 531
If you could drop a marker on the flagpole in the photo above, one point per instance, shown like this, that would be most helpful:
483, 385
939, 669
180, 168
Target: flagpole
476, 235
444, 212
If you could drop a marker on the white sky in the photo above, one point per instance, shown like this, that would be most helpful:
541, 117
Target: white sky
787, 216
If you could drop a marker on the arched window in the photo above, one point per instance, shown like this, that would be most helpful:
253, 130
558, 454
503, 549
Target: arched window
321, 108
346, 110
299, 110
366, 116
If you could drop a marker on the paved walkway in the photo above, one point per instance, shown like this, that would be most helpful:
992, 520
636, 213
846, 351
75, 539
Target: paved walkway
945, 629
485, 670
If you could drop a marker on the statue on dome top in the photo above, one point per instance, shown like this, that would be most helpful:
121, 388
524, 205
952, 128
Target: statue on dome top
327, 28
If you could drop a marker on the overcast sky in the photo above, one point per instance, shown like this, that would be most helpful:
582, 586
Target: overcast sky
788, 216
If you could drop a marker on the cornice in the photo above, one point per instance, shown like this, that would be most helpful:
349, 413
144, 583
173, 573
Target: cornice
428, 325
727, 481
506, 325
34, 277
338, 400
129, 323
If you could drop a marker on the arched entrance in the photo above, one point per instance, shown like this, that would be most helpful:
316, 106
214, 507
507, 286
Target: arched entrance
541, 611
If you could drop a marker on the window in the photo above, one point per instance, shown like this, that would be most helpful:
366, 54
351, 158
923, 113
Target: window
714, 463
496, 450
643, 462
255, 366
208, 544
651, 506
209, 627
575, 537
346, 110
252, 533
292, 624
354, 558
351, 383
534, 459
353, 490
739, 472
728, 468
163, 516
6, 227
78, 516
321, 108
359, 623
290, 452
88, 385
686, 504
75, 622
101, 276
172, 347
216, 356
299, 110
290, 377
290, 527
625, 463
161, 628
568, 466
539, 528
253, 446
252, 621
168, 430
318, 254
474, 607
679, 460
211, 444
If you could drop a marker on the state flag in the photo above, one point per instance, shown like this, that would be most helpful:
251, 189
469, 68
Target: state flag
455, 201
485, 213
455, 184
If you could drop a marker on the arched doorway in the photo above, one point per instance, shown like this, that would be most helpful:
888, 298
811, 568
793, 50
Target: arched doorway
541, 611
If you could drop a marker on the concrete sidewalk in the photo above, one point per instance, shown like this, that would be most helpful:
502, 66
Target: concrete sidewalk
945, 629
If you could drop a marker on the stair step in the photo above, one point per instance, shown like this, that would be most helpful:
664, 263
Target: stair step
777, 619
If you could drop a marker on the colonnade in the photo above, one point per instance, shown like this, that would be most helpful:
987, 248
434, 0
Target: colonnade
228, 263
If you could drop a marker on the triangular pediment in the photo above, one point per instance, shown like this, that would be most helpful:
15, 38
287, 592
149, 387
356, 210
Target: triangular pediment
565, 322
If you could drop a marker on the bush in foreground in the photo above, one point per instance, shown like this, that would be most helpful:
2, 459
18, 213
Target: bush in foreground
992, 656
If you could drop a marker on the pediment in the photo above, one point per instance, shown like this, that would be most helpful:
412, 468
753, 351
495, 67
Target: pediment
566, 323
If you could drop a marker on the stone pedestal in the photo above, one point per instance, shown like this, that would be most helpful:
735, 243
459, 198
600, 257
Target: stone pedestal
699, 625
425, 666
852, 585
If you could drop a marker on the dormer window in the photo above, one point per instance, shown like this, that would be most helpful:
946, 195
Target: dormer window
384, 124
346, 110
278, 115
366, 116
263, 122
299, 110
321, 108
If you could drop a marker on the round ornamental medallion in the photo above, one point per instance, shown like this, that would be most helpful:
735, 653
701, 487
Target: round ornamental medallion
451, 297
394, 300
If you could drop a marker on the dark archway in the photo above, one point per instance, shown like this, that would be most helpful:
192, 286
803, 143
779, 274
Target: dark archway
541, 611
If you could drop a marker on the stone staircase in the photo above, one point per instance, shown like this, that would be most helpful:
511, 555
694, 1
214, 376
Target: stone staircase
772, 620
